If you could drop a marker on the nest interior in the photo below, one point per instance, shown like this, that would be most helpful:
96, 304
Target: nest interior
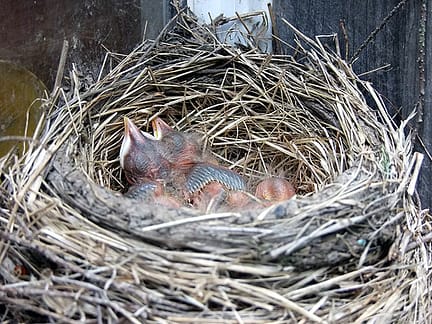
75, 248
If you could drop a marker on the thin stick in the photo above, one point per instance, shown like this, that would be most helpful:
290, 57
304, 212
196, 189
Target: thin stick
61, 66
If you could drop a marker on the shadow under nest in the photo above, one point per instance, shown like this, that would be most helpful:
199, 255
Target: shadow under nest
302, 117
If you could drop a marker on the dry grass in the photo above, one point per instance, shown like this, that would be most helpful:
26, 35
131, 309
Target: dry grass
351, 247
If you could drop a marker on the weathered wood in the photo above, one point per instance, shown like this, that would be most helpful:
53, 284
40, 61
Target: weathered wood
425, 129
32, 33
360, 18
395, 46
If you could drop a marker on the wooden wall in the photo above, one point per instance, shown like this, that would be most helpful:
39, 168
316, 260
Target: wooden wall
426, 126
32, 32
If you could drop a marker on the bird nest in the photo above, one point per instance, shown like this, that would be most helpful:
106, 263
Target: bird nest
346, 248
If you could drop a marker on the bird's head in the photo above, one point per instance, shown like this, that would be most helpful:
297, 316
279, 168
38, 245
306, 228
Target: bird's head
160, 128
138, 154
180, 148
134, 142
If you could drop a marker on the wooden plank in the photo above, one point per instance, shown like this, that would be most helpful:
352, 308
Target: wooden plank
360, 18
395, 46
425, 130
32, 32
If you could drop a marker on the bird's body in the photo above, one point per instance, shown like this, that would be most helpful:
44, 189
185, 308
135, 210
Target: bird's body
211, 187
154, 193
209, 198
203, 173
145, 191
182, 150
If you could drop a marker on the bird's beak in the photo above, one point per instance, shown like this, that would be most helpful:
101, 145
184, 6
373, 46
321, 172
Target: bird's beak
131, 130
160, 128
126, 144
132, 136
134, 133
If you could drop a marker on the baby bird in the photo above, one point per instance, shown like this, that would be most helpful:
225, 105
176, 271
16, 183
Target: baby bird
139, 156
181, 149
198, 175
176, 161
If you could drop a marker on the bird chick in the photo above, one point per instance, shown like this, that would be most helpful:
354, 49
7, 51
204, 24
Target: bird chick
274, 190
177, 160
145, 191
203, 173
181, 149
139, 156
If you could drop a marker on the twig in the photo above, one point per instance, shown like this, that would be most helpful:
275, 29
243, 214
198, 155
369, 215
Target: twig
61, 66
372, 35
421, 56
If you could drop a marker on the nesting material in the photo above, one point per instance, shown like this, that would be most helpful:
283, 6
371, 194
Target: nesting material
351, 246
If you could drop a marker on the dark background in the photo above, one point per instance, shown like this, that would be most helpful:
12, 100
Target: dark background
32, 34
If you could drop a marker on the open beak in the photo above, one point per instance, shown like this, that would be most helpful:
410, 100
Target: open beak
131, 130
134, 133
160, 128
132, 136
126, 143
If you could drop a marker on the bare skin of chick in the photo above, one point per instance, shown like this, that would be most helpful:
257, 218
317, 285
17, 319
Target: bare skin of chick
215, 197
273, 190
